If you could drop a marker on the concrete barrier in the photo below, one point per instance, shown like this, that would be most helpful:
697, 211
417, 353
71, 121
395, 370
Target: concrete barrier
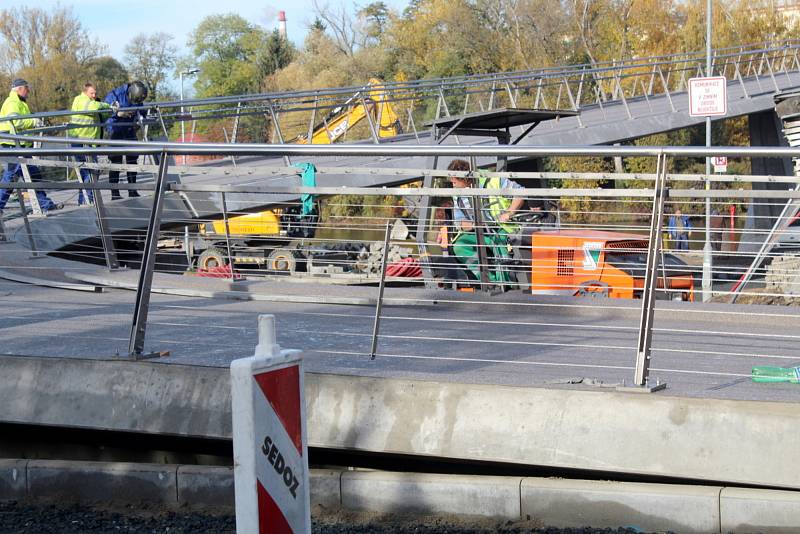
326, 488
757, 510
203, 485
526, 426
102, 482
13, 479
648, 507
382, 492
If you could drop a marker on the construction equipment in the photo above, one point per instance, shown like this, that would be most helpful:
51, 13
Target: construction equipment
281, 241
372, 103
588, 263
269, 238
598, 263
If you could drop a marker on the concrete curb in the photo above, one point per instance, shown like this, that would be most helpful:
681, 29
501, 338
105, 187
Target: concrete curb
382, 492
13, 479
648, 507
102, 481
756, 510
553, 502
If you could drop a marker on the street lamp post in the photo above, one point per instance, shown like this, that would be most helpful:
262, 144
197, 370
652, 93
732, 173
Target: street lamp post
187, 72
707, 256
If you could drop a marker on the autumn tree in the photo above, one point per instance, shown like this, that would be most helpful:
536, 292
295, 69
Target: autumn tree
150, 58
50, 49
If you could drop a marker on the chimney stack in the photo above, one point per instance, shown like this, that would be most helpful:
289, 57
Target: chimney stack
282, 24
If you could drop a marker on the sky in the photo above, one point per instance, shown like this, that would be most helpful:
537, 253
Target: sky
114, 23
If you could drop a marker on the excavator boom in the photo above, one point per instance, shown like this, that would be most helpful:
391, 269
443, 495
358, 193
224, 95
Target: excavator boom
373, 102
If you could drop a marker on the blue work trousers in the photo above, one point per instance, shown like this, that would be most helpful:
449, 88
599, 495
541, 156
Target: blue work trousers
86, 174
12, 173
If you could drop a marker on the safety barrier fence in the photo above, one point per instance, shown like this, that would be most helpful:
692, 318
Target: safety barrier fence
285, 117
597, 291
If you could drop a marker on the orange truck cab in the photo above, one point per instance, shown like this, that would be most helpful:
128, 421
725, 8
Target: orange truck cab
600, 263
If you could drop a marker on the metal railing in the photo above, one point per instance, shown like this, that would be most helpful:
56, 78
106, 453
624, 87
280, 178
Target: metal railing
575, 87
148, 236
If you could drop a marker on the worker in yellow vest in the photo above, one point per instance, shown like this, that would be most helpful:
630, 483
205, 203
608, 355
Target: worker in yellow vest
16, 105
87, 128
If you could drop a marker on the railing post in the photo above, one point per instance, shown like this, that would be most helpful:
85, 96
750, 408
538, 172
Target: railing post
510, 96
573, 103
642, 369
379, 304
622, 96
580, 86
483, 264
312, 122
36, 209
227, 233
27, 222
370, 120
276, 125
142, 305
106, 239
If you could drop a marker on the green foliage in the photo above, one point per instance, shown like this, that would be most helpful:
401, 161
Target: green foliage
226, 50
106, 73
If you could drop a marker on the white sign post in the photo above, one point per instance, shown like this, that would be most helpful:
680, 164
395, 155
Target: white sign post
720, 163
708, 96
270, 454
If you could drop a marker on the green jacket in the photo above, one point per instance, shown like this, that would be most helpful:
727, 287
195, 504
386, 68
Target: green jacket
14, 106
91, 121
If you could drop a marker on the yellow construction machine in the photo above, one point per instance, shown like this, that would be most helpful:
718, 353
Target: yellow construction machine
264, 238
373, 102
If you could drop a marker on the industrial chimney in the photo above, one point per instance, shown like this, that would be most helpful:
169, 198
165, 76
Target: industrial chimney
282, 23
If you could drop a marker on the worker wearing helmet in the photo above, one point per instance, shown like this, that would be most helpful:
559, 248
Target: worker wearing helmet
86, 129
123, 124
15, 105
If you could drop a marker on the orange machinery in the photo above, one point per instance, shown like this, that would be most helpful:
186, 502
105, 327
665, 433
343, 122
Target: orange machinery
600, 263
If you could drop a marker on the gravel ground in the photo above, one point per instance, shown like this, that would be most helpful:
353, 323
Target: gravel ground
18, 518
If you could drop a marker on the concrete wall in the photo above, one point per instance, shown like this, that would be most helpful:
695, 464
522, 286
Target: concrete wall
605, 431
551, 502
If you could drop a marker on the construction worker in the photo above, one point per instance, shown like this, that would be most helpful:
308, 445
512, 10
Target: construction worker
499, 230
123, 124
89, 130
497, 209
15, 105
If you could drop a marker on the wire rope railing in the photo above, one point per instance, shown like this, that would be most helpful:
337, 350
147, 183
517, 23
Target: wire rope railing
501, 313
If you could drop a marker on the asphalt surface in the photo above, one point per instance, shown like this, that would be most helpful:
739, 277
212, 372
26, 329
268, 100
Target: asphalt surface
699, 350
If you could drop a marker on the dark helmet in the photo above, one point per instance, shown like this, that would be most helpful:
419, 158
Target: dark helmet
137, 92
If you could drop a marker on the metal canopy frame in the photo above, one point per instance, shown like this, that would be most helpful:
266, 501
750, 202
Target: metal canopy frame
494, 123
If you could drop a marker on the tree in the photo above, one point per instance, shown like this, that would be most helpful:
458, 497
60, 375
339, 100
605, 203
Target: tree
150, 58
106, 73
376, 17
226, 49
276, 53
50, 49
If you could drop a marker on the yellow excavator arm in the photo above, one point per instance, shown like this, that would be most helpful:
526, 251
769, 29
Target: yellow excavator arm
342, 118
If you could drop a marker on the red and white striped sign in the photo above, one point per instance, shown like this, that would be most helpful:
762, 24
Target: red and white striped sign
269, 444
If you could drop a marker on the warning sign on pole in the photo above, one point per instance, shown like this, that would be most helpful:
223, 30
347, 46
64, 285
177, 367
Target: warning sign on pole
708, 97
720, 163
270, 453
